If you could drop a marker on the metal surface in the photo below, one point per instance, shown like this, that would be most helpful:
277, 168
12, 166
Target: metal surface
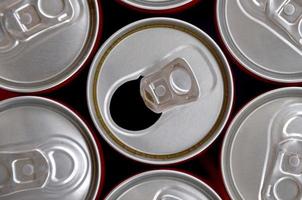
183, 131
264, 36
157, 4
163, 185
46, 152
261, 155
43, 43
175, 84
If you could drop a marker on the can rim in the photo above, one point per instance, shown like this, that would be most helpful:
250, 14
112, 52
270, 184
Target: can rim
77, 118
205, 144
222, 30
73, 72
162, 11
162, 172
142, 6
229, 136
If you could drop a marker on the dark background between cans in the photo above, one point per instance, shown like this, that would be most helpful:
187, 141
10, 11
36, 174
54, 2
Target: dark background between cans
206, 166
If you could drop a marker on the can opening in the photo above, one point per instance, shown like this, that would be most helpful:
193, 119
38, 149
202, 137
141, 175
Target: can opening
128, 110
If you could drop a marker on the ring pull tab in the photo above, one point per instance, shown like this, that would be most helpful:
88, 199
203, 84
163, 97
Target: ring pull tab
58, 165
173, 85
287, 14
26, 19
282, 177
175, 193
22, 171
68, 161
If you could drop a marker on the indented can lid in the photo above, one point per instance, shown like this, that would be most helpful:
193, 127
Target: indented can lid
262, 154
265, 36
162, 185
176, 70
46, 152
157, 5
43, 43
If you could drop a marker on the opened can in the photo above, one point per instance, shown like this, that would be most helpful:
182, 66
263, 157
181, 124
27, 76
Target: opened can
265, 36
159, 5
162, 184
262, 151
46, 152
44, 43
160, 91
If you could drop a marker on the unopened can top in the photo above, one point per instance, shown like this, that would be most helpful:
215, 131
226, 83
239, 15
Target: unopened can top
43, 43
265, 36
46, 152
180, 73
157, 4
163, 185
262, 154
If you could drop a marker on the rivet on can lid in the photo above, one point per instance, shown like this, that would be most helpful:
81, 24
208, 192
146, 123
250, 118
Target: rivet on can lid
278, 27
64, 31
181, 74
174, 85
51, 153
265, 164
24, 21
38, 168
289, 9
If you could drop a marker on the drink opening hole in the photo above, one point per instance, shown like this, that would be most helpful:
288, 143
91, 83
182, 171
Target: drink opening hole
128, 110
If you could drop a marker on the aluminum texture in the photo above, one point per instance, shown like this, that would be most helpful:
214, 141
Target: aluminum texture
163, 184
46, 152
261, 152
157, 5
43, 43
154, 43
264, 36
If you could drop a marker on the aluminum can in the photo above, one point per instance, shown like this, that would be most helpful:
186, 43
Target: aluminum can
179, 75
44, 43
159, 5
163, 184
261, 155
46, 152
265, 36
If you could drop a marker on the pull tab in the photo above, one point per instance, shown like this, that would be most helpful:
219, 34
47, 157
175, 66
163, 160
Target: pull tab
68, 161
173, 85
22, 171
58, 166
282, 178
26, 19
288, 15
175, 193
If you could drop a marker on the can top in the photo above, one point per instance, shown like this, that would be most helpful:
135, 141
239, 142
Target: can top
157, 5
163, 184
265, 163
180, 73
265, 36
46, 152
43, 43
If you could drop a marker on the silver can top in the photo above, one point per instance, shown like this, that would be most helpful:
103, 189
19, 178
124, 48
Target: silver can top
163, 185
43, 43
46, 152
261, 156
265, 36
184, 76
157, 4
